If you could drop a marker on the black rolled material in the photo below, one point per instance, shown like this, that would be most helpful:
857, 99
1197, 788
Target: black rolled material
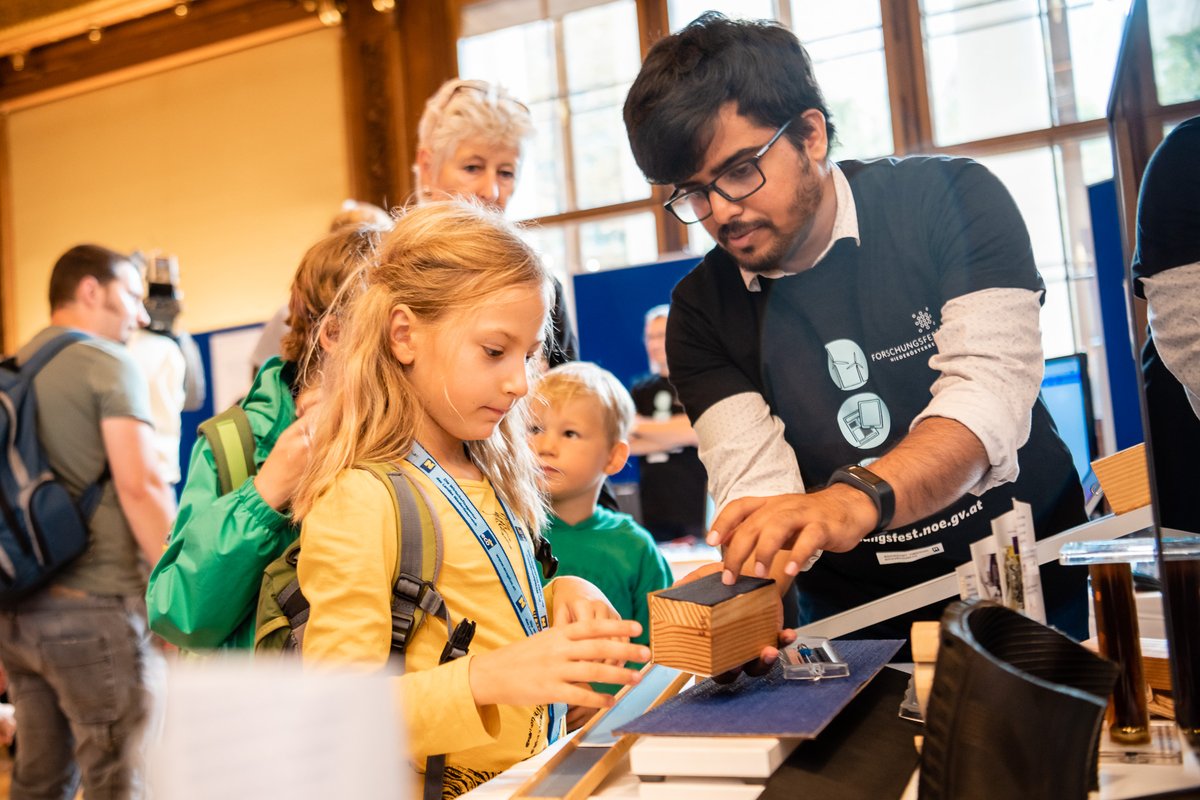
1015, 711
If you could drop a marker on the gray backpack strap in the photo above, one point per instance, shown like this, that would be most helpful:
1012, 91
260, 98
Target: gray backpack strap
419, 562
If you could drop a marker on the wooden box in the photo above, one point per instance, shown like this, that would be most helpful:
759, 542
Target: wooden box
706, 628
1124, 478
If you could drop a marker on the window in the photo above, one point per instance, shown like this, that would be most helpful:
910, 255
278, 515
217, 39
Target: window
1175, 44
845, 42
571, 62
1043, 66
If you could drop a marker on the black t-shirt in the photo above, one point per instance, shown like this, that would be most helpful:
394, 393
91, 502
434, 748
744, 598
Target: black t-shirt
841, 354
1168, 230
673, 485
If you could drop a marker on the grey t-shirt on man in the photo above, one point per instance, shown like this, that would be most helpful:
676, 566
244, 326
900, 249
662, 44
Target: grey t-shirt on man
88, 382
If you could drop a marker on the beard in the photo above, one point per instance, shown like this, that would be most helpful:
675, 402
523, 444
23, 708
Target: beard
780, 243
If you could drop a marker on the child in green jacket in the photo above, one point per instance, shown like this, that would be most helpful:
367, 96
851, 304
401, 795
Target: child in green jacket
204, 590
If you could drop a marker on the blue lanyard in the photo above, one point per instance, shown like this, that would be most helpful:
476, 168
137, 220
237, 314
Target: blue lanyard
532, 622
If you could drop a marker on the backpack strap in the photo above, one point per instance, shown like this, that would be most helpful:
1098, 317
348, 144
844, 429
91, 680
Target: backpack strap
418, 563
232, 443
415, 595
50, 349
89, 499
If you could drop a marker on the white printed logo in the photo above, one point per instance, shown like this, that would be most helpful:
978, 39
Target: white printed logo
847, 364
864, 420
923, 319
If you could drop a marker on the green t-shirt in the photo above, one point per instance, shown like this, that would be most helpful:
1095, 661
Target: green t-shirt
85, 383
617, 555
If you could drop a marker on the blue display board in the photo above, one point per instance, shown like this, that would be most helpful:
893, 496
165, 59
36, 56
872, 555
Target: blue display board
215, 373
1111, 276
610, 313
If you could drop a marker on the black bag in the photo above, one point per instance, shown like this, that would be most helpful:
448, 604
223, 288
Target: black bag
42, 528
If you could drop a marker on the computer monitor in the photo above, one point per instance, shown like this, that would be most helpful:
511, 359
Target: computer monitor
1068, 395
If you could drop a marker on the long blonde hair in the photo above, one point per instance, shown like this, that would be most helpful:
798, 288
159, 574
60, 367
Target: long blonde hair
440, 259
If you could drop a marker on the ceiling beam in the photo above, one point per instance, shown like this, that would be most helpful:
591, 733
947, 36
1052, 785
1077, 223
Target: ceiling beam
147, 44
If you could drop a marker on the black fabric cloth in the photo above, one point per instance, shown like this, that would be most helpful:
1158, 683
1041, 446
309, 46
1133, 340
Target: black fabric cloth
1168, 230
841, 354
674, 485
564, 348
1168, 236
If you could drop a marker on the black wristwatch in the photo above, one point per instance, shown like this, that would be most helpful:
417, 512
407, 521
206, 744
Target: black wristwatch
873, 486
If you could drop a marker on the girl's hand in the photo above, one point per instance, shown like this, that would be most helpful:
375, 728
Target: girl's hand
280, 474
557, 664
577, 600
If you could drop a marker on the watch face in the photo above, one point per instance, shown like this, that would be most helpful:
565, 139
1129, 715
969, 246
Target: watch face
864, 474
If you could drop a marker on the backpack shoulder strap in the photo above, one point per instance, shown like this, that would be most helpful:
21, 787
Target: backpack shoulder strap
232, 443
50, 349
418, 557
415, 595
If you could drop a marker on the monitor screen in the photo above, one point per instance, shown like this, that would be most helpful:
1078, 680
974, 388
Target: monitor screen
1067, 394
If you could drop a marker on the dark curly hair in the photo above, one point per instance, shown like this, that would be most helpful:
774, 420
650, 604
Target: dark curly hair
688, 76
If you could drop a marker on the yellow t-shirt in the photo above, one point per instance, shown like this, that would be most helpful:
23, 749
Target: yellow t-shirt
347, 570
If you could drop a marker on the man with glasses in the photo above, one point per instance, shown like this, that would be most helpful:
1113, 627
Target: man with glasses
861, 355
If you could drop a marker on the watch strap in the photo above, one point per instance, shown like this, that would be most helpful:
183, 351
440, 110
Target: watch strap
874, 487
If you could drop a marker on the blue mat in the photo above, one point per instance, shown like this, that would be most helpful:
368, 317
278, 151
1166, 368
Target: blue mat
770, 705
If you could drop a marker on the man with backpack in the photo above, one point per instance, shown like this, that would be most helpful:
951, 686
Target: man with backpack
83, 673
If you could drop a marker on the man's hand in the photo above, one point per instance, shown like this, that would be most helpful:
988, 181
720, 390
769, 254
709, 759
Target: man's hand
834, 519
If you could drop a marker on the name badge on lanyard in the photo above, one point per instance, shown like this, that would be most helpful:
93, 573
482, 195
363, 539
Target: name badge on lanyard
532, 616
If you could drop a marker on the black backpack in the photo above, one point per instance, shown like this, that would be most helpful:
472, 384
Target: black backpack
42, 528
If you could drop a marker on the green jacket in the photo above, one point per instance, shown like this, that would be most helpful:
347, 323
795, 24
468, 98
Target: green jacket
204, 590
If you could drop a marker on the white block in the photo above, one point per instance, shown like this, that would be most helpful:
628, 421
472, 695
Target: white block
703, 756
699, 789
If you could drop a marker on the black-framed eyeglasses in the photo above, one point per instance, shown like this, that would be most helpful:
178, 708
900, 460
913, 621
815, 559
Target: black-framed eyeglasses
735, 182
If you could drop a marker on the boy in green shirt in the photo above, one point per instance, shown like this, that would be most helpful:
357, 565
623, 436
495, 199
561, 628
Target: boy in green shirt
582, 417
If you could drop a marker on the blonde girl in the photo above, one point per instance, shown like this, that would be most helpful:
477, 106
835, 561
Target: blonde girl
432, 366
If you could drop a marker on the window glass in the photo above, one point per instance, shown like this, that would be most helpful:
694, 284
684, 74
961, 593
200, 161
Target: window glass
602, 61
550, 242
966, 43
1094, 28
1096, 155
1031, 177
618, 242
542, 182
1175, 44
607, 243
521, 59
579, 157
845, 42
